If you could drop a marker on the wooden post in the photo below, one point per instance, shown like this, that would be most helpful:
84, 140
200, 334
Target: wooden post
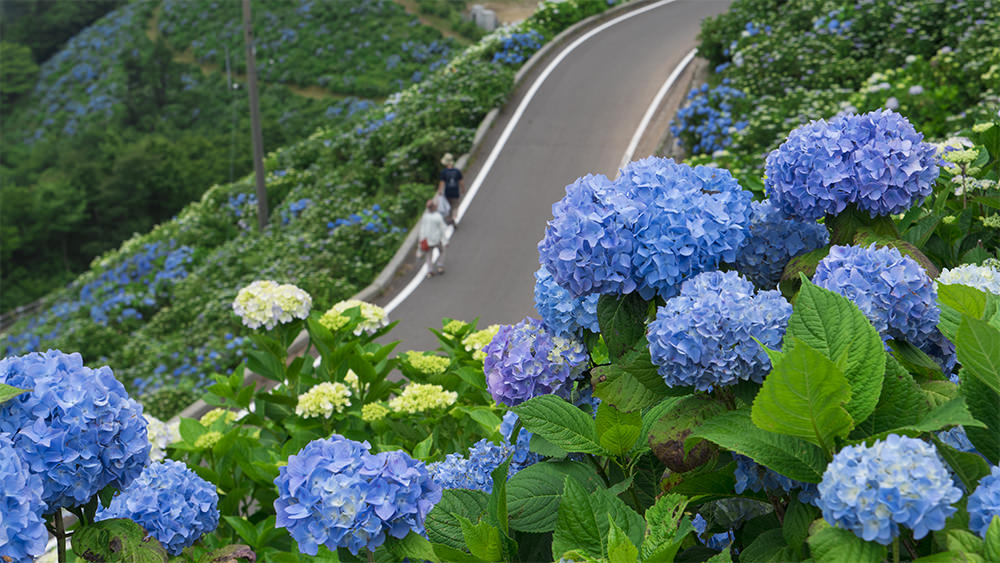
258, 143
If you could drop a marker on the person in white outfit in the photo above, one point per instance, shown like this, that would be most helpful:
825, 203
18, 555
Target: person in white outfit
432, 233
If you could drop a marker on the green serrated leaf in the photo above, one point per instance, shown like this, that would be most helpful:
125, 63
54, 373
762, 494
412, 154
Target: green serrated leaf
963, 541
496, 507
443, 527
243, 527
560, 423
795, 527
804, 396
546, 448
620, 548
414, 546
452, 555
792, 457
764, 546
229, 554
622, 320
576, 524
117, 539
662, 523
938, 393
901, 402
191, 430
533, 493
834, 545
8, 392
991, 543
834, 326
983, 405
978, 347
632, 383
650, 417
969, 467
617, 431
482, 539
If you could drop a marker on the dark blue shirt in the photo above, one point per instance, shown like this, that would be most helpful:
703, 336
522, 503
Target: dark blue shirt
450, 177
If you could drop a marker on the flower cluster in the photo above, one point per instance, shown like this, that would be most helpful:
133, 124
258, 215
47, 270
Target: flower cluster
225, 415
370, 412
562, 313
892, 290
161, 435
526, 360
704, 337
77, 429
706, 124
517, 47
420, 397
267, 303
898, 481
984, 502
472, 471
658, 224
334, 492
170, 502
372, 317
22, 529
983, 278
478, 340
772, 240
427, 364
750, 475
454, 327
522, 456
876, 161
373, 220
323, 399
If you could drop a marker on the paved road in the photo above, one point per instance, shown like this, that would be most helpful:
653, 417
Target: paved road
579, 122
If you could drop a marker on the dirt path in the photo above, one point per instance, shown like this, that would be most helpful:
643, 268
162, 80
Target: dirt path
429, 20
187, 57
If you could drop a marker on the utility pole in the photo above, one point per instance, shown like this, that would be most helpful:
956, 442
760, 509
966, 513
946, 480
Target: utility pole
258, 143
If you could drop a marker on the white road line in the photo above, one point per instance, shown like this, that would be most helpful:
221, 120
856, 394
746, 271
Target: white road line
502, 141
651, 110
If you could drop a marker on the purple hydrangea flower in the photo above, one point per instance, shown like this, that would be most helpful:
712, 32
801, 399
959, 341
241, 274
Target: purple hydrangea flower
563, 314
658, 224
335, 493
702, 337
755, 477
892, 290
685, 221
899, 481
526, 360
77, 429
22, 529
586, 247
170, 502
772, 240
475, 470
876, 161
984, 502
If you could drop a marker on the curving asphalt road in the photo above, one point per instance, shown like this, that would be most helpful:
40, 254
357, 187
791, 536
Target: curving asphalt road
580, 121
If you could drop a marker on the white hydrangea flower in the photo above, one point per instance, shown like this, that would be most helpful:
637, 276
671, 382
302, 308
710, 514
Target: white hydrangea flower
983, 278
161, 435
323, 400
266, 303
373, 317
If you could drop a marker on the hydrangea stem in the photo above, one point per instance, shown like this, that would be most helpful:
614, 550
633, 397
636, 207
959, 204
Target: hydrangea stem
895, 549
60, 534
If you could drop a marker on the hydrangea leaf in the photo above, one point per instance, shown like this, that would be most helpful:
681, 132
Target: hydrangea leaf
620, 548
939, 392
649, 418
978, 347
795, 527
533, 493
617, 431
901, 402
969, 467
663, 527
991, 543
622, 320
956, 300
829, 544
963, 541
767, 546
482, 539
496, 507
443, 527
117, 539
576, 524
804, 396
413, 546
232, 554
8, 392
982, 402
560, 423
633, 383
792, 457
915, 360
833, 325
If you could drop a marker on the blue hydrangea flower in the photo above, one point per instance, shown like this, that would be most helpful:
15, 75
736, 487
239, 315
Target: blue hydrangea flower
876, 161
22, 529
892, 290
563, 314
169, 501
899, 481
335, 493
718, 542
957, 438
755, 477
701, 338
685, 221
772, 240
77, 429
586, 247
984, 502
522, 456
472, 471
706, 122
526, 360
658, 224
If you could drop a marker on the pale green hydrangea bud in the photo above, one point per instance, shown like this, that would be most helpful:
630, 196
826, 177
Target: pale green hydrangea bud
213, 415
478, 340
373, 317
419, 397
454, 327
323, 400
208, 440
373, 411
427, 364
266, 303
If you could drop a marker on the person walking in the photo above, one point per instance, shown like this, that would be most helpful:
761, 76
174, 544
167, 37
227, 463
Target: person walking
431, 234
450, 185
